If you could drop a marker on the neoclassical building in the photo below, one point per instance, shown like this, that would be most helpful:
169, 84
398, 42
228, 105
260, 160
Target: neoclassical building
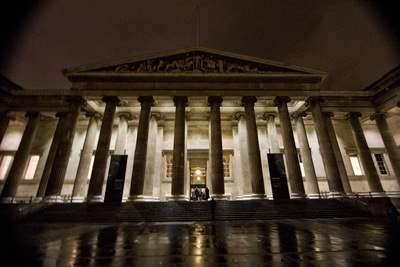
198, 117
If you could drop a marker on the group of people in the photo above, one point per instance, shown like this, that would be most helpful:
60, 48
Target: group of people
198, 194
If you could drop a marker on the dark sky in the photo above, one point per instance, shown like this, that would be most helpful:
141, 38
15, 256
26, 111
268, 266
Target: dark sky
355, 41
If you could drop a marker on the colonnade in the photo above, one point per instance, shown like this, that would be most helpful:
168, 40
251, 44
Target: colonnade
56, 164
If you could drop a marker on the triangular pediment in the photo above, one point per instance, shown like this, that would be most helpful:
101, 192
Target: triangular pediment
194, 60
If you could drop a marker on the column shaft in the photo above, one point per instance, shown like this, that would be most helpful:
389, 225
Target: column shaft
390, 144
57, 174
178, 163
217, 165
244, 154
292, 161
139, 161
338, 154
52, 155
272, 133
364, 153
151, 156
305, 152
95, 190
120, 143
326, 149
78, 191
257, 181
20, 159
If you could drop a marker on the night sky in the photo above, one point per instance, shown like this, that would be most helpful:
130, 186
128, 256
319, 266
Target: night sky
356, 42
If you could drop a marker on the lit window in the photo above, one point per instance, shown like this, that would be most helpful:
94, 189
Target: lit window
226, 159
356, 165
5, 164
91, 166
381, 164
31, 167
301, 166
169, 159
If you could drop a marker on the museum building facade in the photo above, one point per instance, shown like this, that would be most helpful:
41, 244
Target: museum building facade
157, 126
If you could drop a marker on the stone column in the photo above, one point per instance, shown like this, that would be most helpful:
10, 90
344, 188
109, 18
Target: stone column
52, 155
4, 121
139, 161
151, 157
257, 181
305, 151
292, 161
178, 164
365, 155
120, 143
245, 176
338, 154
20, 159
390, 144
79, 189
326, 149
272, 133
217, 164
59, 168
96, 182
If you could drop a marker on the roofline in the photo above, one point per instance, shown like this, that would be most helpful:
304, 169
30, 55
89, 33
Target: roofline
391, 78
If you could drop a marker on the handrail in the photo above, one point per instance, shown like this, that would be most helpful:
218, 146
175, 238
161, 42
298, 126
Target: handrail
353, 199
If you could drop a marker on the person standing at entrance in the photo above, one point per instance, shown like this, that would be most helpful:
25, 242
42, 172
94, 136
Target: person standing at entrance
213, 204
207, 193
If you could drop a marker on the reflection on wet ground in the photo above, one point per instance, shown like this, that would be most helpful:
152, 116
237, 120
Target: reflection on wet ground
318, 242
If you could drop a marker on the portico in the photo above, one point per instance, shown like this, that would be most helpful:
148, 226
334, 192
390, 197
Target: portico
177, 112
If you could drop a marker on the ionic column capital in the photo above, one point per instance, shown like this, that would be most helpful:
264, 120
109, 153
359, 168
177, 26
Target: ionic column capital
378, 115
352, 115
296, 115
248, 100
237, 115
180, 99
96, 115
328, 114
61, 114
76, 99
156, 115
128, 116
213, 99
266, 115
113, 99
146, 99
31, 114
314, 99
279, 100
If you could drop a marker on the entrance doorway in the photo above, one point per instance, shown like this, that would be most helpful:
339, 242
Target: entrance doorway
198, 178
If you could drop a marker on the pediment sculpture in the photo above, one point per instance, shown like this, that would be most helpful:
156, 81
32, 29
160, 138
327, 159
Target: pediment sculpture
195, 62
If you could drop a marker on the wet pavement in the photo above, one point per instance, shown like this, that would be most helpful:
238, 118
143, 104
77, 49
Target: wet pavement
317, 242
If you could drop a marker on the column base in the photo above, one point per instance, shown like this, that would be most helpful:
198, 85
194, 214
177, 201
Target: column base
251, 197
220, 197
176, 198
8, 200
295, 196
379, 194
351, 195
38, 199
335, 195
142, 198
313, 196
94, 199
53, 199
77, 199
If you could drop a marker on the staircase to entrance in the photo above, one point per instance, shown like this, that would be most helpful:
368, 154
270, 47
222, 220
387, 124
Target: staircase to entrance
192, 211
